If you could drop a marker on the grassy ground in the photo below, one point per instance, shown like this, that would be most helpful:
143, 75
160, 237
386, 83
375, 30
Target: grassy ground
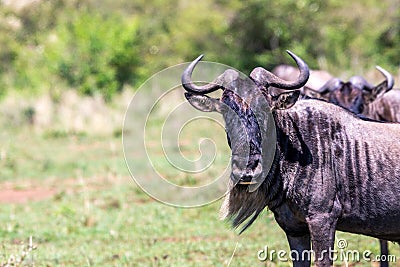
97, 216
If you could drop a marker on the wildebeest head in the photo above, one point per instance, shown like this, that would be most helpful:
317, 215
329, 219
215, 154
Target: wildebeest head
349, 96
246, 106
241, 103
355, 94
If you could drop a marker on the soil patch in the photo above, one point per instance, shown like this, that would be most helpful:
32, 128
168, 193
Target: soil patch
16, 196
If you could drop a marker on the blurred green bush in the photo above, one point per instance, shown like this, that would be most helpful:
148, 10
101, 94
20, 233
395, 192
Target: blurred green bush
97, 47
94, 54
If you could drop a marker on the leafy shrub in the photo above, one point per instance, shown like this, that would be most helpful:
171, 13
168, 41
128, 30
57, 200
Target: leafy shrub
387, 49
96, 47
263, 31
94, 53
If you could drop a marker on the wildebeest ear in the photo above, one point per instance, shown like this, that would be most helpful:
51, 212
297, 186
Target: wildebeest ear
285, 100
204, 103
324, 91
311, 93
376, 92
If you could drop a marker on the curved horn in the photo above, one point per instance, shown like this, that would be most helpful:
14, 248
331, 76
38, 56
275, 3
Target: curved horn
267, 78
389, 77
190, 86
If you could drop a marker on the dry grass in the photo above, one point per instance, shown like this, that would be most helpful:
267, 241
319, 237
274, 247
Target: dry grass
66, 113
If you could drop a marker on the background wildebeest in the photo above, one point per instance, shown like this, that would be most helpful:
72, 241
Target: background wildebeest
331, 169
360, 97
374, 102
380, 102
385, 108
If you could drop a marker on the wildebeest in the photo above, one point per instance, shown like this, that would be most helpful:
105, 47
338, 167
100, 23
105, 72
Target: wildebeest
331, 170
360, 97
385, 108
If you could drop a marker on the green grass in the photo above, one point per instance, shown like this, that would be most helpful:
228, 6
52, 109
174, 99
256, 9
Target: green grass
38, 156
100, 217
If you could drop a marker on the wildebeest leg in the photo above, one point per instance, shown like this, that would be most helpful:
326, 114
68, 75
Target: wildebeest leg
322, 228
384, 253
300, 247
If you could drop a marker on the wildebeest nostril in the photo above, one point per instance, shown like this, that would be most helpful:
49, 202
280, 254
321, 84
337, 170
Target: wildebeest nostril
246, 178
239, 162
